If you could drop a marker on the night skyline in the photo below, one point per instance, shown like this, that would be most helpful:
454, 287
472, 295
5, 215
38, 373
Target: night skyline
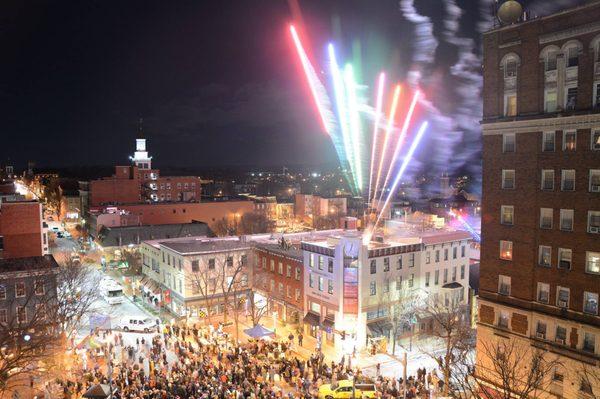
218, 84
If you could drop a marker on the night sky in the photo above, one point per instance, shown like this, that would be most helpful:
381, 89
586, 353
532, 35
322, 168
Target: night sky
218, 82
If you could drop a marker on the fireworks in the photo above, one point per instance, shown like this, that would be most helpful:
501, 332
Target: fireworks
346, 126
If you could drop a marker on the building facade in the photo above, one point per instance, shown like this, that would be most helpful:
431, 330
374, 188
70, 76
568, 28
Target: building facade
22, 230
540, 254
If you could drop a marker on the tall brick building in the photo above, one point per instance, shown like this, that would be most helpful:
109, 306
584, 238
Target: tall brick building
540, 254
22, 231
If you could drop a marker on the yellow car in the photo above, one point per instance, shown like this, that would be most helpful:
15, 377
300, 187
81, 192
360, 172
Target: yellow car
343, 390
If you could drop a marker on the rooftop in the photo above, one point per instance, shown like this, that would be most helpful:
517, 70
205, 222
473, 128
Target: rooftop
291, 251
27, 264
126, 235
195, 246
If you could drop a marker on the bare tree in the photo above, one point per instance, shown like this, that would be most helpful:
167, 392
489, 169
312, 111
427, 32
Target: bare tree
258, 307
233, 279
589, 379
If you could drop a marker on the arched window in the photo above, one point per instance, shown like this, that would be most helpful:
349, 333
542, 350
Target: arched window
595, 50
510, 66
549, 57
571, 50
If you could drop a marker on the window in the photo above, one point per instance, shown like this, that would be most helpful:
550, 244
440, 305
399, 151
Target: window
19, 290
595, 145
508, 142
321, 263
3, 316
446, 254
386, 264
569, 141
436, 280
510, 68
297, 294
594, 180
2, 292
280, 268
386, 286
564, 258
454, 252
330, 287
320, 283
445, 276
503, 319
288, 271
229, 261
21, 314
298, 271
373, 288
330, 265
592, 262
572, 57
550, 100
38, 287
373, 266
280, 285
551, 61
437, 255
272, 265
545, 256
543, 292
508, 179
506, 217
311, 280
540, 330
428, 257
504, 285
211, 264
562, 297
411, 280
462, 272
593, 222
546, 216
454, 273
398, 283
566, 219
590, 303
427, 275
411, 260
589, 342
548, 179
548, 141
463, 251
506, 250
571, 101
399, 264
561, 334
596, 97
567, 180
288, 291
510, 105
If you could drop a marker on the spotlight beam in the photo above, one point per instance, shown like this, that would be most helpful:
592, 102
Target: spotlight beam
354, 122
378, 106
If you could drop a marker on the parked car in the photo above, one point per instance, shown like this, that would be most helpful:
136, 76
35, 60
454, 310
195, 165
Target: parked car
343, 389
136, 323
55, 229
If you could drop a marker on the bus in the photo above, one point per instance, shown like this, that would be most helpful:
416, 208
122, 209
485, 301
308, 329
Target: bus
112, 293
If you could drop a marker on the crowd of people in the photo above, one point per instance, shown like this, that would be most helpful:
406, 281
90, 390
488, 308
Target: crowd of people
203, 362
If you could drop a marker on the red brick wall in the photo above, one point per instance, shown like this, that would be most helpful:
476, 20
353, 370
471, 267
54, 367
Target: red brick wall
169, 213
261, 275
113, 190
21, 227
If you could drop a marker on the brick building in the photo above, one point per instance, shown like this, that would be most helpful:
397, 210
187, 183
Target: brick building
540, 254
22, 231
278, 275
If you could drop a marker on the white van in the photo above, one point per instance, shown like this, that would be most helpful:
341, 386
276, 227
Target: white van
137, 323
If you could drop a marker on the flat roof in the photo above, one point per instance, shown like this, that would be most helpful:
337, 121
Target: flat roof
291, 251
31, 263
191, 247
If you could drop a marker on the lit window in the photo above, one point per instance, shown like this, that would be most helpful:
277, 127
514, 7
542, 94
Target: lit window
508, 142
503, 319
504, 285
566, 219
594, 180
320, 283
510, 105
564, 258
540, 330
411, 280
373, 288
506, 250
280, 268
569, 141
280, 289
571, 100
592, 262
593, 222
272, 264
543, 292
567, 180
590, 303
508, 179
288, 271
561, 335
548, 142
506, 217
38, 287
19, 290
386, 286
298, 272
546, 216
545, 256
321, 263
550, 100
311, 280
373, 266
330, 287
21, 314
547, 179
595, 145
589, 342
562, 297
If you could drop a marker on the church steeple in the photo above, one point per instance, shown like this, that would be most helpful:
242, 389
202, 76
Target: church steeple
141, 159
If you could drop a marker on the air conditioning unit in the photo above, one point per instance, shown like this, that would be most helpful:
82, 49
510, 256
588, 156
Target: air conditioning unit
540, 335
560, 341
595, 188
594, 229
562, 304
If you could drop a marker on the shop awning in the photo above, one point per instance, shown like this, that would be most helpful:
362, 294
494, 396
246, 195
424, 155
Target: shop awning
150, 285
312, 318
328, 323
380, 327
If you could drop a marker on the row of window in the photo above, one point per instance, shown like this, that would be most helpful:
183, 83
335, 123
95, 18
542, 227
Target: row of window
565, 256
567, 180
410, 282
386, 263
546, 222
287, 290
321, 262
21, 314
288, 270
569, 141
320, 283
590, 299
21, 290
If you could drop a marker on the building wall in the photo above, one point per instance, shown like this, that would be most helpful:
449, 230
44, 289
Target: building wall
114, 190
22, 229
518, 312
